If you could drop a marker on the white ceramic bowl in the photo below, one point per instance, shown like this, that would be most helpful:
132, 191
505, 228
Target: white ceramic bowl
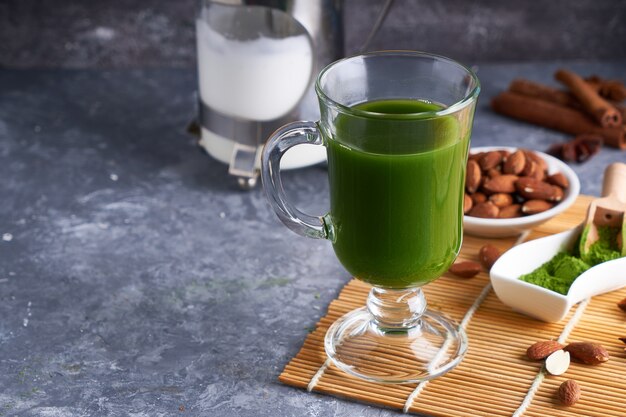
477, 226
540, 302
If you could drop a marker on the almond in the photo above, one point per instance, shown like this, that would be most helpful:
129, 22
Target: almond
501, 184
588, 352
558, 362
622, 305
501, 199
558, 193
539, 174
530, 168
467, 203
533, 169
509, 212
543, 166
478, 198
490, 160
475, 156
541, 350
465, 269
488, 255
558, 179
514, 163
533, 189
493, 172
486, 210
536, 206
511, 179
473, 176
569, 392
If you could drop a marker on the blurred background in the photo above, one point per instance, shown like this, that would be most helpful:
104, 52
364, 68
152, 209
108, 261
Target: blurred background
134, 274
156, 33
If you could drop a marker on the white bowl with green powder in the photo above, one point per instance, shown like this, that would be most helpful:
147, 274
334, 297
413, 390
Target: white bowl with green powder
544, 278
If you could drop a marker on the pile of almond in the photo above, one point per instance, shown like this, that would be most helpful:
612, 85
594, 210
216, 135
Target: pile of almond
557, 360
503, 184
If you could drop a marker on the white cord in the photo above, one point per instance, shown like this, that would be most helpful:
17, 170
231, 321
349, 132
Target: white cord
466, 319
522, 238
470, 313
534, 387
573, 321
417, 391
313, 382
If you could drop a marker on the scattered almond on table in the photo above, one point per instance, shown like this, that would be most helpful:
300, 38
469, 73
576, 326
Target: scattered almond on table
541, 350
465, 269
589, 353
569, 392
558, 362
503, 184
488, 255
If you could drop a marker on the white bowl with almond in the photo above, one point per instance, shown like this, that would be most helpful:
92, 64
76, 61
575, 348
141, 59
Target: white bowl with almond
510, 190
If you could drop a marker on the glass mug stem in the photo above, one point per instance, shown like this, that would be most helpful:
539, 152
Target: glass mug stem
283, 139
396, 310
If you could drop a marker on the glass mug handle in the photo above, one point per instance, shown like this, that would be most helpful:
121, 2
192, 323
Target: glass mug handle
283, 139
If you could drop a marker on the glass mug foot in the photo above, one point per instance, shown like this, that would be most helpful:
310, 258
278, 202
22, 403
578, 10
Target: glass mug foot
394, 348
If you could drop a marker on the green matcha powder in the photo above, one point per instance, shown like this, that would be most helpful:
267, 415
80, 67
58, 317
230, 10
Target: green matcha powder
559, 273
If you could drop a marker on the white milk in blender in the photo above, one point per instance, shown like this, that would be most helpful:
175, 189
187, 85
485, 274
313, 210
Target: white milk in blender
258, 79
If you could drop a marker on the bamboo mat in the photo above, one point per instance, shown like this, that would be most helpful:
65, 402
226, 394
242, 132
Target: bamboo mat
495, 377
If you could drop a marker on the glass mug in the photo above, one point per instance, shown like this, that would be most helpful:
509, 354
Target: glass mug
396, 126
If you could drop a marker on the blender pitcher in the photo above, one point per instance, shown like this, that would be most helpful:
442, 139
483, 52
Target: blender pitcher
256, 63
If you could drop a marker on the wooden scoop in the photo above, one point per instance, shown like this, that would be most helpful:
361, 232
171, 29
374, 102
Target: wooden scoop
607, 211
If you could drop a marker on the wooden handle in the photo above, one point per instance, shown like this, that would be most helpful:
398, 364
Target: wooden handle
615, 181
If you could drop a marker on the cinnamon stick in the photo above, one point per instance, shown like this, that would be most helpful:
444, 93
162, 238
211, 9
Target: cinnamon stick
600, 109
554, 95
610, 89
544, 92
554, 116
622, 109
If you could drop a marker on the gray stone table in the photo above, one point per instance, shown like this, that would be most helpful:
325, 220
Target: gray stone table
136, 279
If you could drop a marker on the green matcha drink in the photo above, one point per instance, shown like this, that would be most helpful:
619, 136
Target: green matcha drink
396, 182
396, 169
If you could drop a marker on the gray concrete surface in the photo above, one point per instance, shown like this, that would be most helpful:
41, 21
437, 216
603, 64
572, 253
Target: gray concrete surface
136, 279
156, 33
